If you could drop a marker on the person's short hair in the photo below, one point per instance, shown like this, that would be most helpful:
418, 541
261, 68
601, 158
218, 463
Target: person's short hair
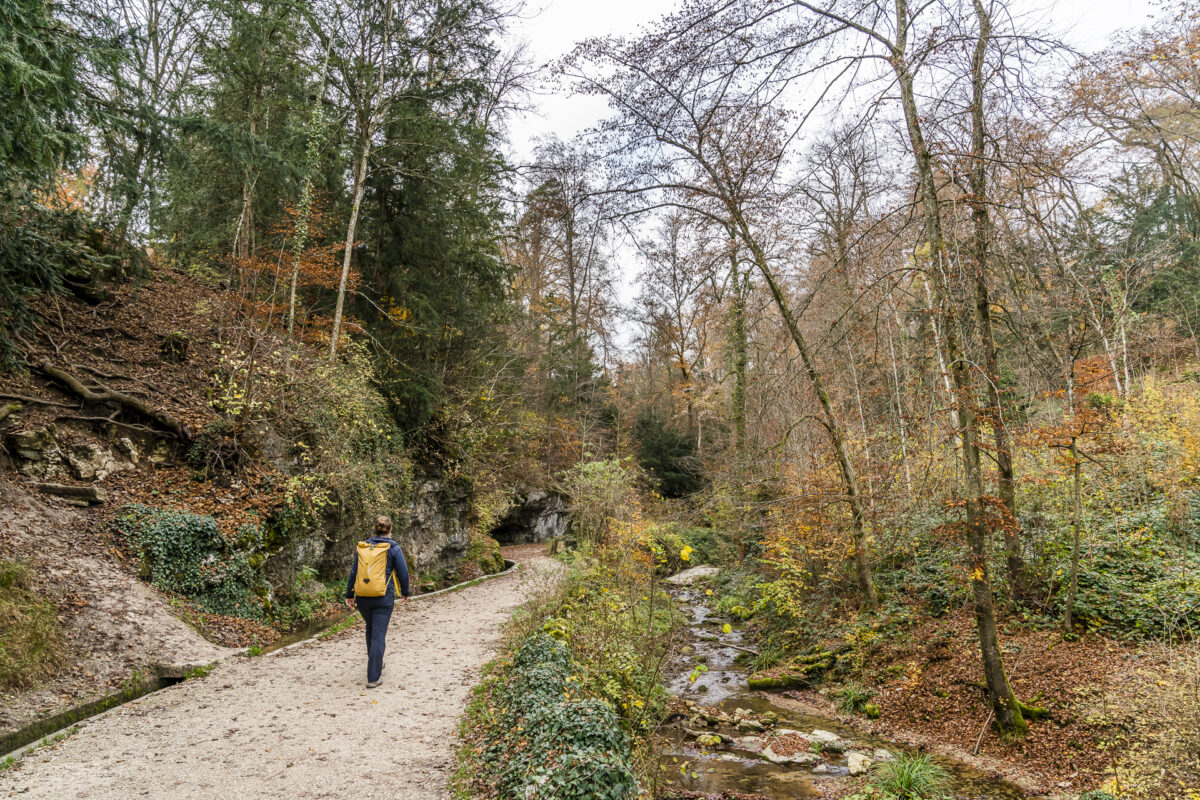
383, 524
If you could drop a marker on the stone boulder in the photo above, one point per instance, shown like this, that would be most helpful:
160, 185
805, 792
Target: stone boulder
790, 747
690, 576
857, 762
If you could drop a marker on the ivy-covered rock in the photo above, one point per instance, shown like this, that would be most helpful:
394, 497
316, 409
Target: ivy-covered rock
186, 554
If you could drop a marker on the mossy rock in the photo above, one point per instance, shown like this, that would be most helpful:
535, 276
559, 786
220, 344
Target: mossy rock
483, 557
779, 680
802, 673
824, 660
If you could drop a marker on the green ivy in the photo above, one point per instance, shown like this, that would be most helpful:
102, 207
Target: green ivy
1137, 582
186, 554
543, 742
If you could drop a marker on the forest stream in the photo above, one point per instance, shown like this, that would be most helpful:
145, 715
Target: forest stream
741, 767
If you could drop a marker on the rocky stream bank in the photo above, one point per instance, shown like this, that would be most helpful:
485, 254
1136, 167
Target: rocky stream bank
726, 740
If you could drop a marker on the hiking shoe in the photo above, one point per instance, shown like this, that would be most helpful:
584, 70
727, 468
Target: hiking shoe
373, 684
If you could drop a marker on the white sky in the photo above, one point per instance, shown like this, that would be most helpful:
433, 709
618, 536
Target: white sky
552, 27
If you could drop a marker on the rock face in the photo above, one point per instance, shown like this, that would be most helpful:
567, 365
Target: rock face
435, 534
536, 517
45, 454
432, 530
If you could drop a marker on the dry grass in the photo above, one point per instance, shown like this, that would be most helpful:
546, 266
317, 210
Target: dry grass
31, 645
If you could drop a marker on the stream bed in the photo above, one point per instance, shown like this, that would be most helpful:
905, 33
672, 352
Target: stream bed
819, 753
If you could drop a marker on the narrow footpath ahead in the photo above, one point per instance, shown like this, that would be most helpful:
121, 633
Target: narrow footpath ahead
299, 723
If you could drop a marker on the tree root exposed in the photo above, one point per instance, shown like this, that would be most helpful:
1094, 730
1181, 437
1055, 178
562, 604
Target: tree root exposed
36, 401
105, 394
1032, 712
7, 409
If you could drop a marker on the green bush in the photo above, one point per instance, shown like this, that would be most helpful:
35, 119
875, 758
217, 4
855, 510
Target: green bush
295, 605
544, 743
186, 554
853, 698
601, 492
483, 557
31, 644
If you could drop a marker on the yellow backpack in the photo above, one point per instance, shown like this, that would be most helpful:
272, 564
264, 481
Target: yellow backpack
370, 579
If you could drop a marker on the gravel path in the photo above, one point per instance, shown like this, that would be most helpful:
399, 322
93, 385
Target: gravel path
299, 723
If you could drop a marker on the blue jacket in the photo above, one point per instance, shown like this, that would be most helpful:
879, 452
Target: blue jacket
395, 564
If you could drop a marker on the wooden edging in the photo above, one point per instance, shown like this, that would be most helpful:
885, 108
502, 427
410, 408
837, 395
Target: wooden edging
52, 737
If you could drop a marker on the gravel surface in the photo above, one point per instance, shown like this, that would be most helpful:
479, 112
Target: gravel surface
299, 723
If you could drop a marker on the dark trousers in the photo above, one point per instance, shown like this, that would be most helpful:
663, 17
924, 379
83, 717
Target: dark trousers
377, 619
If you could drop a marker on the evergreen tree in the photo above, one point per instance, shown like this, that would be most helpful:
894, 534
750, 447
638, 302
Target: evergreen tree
240, 159
43, 239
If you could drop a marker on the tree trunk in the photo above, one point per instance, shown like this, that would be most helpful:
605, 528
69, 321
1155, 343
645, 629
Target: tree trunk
941, 359
833, 422
1008, 710
360, 173
898, 399
737, 313
1076, 520
981, 241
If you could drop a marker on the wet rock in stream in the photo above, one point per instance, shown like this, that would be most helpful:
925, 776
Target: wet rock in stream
737, 743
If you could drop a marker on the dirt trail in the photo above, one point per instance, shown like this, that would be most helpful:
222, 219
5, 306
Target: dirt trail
299, 723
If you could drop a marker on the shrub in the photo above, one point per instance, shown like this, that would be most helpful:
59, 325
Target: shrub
219, 447
601, 492
349, 437
31, 644
186, 554
542, 742
483, 557
301, 600
853, 697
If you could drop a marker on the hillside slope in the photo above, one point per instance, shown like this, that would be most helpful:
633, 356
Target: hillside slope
162, 422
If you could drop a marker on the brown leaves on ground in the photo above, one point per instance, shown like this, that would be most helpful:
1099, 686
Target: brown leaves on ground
789, 744
931, 685
231, 631
117, 343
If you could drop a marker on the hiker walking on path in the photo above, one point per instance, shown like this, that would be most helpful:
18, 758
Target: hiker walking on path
377, 575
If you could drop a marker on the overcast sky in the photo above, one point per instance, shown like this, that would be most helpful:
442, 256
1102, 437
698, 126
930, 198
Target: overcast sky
552, 27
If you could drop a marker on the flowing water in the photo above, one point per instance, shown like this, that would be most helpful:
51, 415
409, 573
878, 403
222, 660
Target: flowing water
687, 767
